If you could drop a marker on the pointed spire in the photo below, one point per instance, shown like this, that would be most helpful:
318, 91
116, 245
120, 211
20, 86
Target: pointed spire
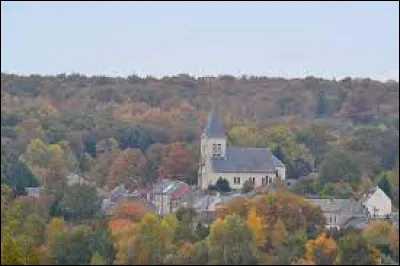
214, 127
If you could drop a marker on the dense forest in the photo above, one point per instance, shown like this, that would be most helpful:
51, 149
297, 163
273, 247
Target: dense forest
337, 138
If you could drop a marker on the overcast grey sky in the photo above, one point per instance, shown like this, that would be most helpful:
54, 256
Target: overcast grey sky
287, 39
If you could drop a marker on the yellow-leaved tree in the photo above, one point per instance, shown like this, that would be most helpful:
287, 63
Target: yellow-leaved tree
255, 223
321, 251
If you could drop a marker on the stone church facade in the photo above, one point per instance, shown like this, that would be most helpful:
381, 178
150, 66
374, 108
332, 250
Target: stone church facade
235, 164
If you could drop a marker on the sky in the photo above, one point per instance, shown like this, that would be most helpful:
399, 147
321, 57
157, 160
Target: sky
275, 39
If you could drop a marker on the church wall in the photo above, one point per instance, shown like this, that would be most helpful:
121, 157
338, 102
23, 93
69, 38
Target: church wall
207, 146
281, 172
213, 177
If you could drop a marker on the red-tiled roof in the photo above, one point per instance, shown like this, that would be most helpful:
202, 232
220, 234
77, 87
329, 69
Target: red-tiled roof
181, 192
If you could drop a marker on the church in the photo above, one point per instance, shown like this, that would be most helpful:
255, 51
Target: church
235, 164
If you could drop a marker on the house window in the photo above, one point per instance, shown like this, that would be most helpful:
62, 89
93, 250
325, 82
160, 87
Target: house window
330, 219
219, 148
269, 180
236, 180
254, 180
263, 180
334, 218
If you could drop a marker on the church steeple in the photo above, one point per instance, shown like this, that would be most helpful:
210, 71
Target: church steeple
214, 127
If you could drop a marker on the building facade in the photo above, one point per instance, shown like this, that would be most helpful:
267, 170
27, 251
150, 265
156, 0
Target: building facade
168, 196
378, 204
338, 212
235, 164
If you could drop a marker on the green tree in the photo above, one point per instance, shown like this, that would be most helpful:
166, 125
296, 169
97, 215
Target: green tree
36, 153
356, 251
394, 181
72, 247
97, 260
385, 185
102, 244
185, 233
153, 240
186, 214
244, 136
339, 166
295, 247
80, 202
55, 179
222, 185
316, 138
247, 186
10, 254
19, 176
231, 242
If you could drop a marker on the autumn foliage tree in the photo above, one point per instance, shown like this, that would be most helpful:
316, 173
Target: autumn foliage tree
127, 168
382, 235
133, 210
321, 251
177, 163
99, 169
153, 239
231, 242
356, 251
256, 225
122, 232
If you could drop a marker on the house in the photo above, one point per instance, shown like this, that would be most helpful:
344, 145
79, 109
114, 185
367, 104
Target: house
111, 201
168, 196
339, 211
378, 204
208, 206
33, 191
235, 164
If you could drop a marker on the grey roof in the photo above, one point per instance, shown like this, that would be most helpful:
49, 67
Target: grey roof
356, 222
161, 185
167, 186
209, 202
246, 160
332, 205
214, 127
205, 202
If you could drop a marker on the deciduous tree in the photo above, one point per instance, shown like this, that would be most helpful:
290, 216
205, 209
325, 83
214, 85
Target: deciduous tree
128, 169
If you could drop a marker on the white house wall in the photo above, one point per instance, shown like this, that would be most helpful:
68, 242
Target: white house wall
212, 178
380, 202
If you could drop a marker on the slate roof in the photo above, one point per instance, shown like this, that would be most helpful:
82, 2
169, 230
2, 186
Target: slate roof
356, 222
214, 127
332, 205
246, 160
211, 202
177, 190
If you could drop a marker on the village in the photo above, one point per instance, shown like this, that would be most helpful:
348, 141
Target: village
265, 174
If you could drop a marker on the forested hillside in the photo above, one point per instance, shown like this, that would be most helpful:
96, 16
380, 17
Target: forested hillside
312, 115
337, 138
